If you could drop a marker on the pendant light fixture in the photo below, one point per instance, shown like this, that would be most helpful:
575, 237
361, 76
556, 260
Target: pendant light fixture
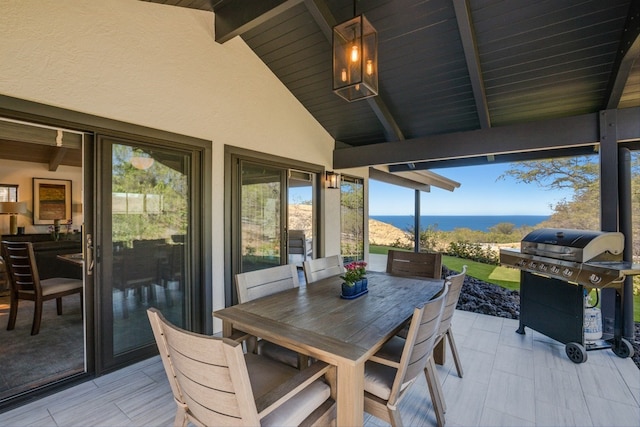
355, 58
141, 160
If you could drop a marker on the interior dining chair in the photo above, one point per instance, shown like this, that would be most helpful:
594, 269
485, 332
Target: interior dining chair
415, 264
319, 268
25, 283
215, 384
260, 283
390, 372
455, 283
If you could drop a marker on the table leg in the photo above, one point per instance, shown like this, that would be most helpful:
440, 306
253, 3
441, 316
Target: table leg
350, 399
227, 329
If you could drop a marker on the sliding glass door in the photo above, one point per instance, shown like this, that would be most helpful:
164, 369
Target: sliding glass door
272, 214
145, 244
262, 205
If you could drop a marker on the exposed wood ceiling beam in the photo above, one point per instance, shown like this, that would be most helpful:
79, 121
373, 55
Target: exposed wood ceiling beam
232, 19
326, 21
568, 132
391, 129
392, 179
496, 159
56, 158
628, 53
467, 35
323, 17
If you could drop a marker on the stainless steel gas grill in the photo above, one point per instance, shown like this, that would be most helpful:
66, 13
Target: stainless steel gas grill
557, 267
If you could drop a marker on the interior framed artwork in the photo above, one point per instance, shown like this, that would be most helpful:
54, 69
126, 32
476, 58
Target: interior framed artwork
51, 201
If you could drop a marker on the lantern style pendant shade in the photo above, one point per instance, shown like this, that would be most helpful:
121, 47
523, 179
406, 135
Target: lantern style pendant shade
355, 59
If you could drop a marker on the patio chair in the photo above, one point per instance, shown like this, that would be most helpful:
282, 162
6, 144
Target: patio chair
215, 384
299, 244
319, 268
260, 283
390, 372
26, 284
453, 295
416, 264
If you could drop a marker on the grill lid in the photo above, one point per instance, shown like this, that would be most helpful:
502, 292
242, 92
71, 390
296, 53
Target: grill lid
574, 245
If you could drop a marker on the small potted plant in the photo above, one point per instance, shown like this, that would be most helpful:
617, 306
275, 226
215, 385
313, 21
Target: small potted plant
355, 282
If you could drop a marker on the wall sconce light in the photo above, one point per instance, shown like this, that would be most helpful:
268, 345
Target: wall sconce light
13, 209
141, 160
332, 179
355, 59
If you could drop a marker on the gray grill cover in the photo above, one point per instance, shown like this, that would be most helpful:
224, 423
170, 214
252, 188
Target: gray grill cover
574, 245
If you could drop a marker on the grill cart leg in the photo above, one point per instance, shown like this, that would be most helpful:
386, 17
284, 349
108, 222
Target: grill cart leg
620, 346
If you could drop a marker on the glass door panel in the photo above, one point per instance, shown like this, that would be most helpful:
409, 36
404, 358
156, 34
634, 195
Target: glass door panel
144, 242
261, 207
300, 221
352, 219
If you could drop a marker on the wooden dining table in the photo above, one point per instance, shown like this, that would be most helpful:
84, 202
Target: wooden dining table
315, 320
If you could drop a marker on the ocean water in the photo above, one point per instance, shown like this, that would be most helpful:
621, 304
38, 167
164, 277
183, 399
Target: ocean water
451, 222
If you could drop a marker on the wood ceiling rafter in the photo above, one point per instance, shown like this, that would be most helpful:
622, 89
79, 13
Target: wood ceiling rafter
628, 53
326, 21
232, 21
465, 26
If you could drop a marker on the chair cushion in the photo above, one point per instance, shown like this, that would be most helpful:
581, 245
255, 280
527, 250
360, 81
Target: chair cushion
299, 407
378, 379
265, 374
278, 353
59, 284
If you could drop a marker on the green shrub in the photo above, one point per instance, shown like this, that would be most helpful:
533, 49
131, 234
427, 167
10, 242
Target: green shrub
474, 252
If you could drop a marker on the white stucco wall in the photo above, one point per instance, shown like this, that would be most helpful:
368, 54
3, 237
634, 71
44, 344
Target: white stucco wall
158, 66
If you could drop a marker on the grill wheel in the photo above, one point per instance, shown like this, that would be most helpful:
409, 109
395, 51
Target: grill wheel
576, 352
624, 349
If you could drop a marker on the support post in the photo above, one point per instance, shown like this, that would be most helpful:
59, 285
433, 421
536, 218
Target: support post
416, 222
608, 205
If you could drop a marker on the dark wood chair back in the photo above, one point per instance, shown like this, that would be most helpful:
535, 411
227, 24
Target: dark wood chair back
26, 284
416, 264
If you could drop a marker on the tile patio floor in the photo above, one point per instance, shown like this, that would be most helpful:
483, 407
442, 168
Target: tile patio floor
509, 380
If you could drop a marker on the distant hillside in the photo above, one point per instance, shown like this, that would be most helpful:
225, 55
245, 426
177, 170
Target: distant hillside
380, 233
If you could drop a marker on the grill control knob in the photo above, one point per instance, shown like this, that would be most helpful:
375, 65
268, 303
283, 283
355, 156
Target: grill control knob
532, 265
555, 269
567, 272
542, 267
595, 279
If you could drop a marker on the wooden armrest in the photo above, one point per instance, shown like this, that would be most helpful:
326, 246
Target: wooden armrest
239, 336
279, 395
383, 361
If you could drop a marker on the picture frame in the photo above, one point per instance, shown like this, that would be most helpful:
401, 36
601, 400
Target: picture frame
51, 201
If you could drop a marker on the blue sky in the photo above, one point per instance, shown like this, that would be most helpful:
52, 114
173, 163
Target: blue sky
480, 193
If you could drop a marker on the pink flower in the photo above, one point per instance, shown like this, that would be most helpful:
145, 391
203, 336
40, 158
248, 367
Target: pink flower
354, 271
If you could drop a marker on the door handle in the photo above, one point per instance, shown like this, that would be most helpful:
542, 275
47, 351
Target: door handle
88, 259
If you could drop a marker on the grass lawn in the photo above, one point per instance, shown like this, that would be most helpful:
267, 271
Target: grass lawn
502, 276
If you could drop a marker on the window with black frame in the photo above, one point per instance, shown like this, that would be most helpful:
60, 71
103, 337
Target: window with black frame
352, 218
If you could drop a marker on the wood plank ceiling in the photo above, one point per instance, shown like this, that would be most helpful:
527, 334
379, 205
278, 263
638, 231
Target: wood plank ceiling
461, 81
448, 67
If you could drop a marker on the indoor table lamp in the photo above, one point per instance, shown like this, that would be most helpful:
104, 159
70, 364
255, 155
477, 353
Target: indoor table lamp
13, 209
